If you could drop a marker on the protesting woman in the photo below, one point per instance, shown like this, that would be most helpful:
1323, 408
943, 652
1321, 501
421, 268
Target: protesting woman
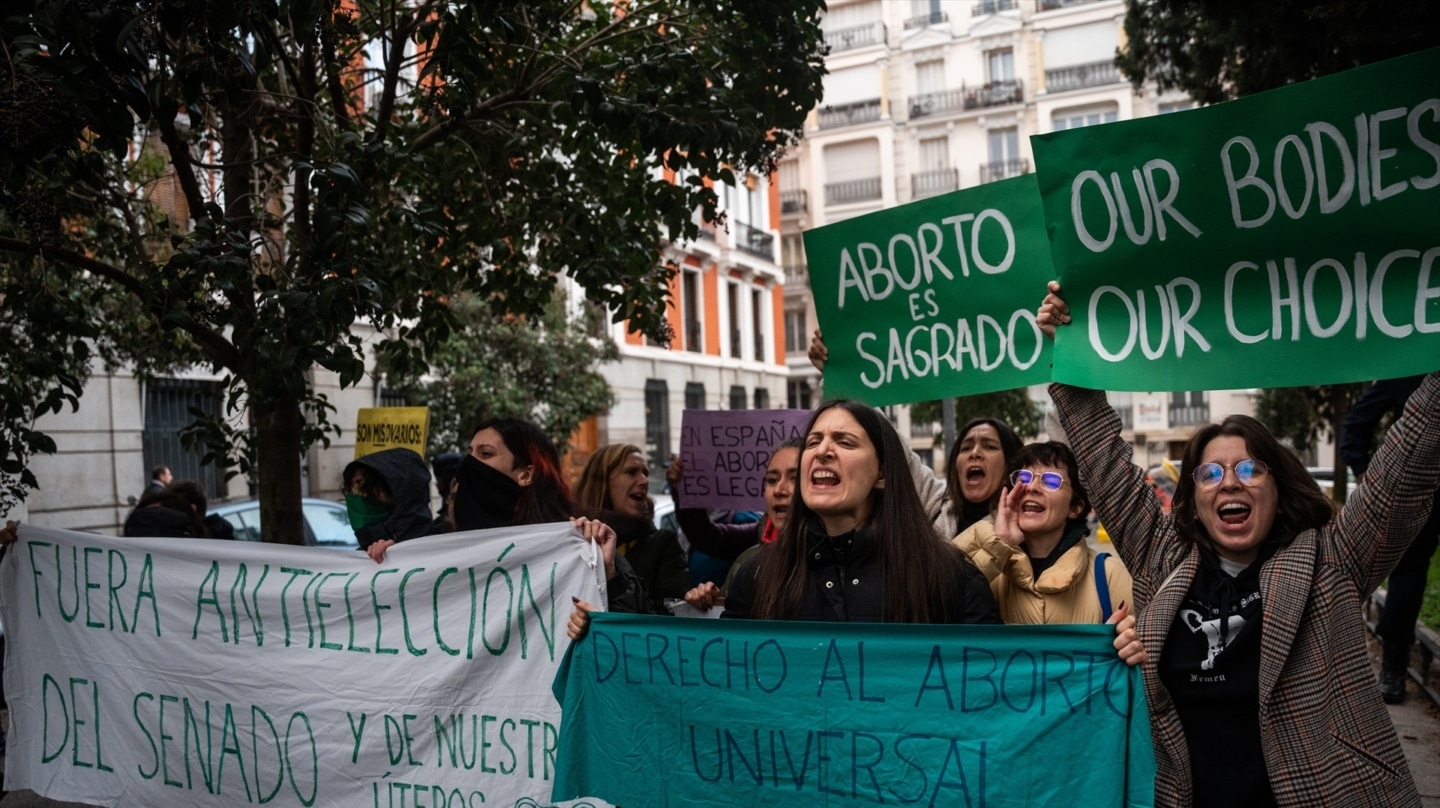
614, 488
739, 542
1035, 555
1249, 596
858, 546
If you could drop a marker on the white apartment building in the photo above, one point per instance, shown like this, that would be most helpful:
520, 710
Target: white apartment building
924, 97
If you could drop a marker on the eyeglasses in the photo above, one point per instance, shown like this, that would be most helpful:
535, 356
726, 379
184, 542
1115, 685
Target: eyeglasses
1049, 479
1249, 472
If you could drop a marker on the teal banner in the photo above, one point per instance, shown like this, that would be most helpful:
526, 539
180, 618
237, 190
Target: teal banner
936, 298
1282, 239
665, 711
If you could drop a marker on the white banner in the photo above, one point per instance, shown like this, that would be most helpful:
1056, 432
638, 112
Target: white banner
170, 672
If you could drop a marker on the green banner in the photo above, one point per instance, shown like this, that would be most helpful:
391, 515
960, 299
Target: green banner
1287, 238
666, 711
935, 298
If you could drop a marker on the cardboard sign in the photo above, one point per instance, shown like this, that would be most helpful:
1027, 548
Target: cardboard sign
750, 712
378, 428
725, 452
1282, 239
935, 298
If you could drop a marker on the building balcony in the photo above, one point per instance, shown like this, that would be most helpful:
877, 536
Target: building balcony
996, 94
927, 20
859, 36
840, 193
922, 430
936, 103
796, 275
794, 202
930, 183
1077, 77
992, 7
1051, 5
753, 240
1003, 169
848, 114
1190, 416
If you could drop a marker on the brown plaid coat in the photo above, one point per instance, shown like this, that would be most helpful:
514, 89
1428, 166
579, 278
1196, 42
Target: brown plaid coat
1327, 737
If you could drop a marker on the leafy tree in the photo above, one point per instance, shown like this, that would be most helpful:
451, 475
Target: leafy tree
1306, 415
1221, 49
362, 161
1014, 407
503, 366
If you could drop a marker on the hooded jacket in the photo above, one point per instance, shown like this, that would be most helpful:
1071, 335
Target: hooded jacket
404, 472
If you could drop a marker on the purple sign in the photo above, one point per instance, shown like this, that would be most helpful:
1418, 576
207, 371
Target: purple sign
725, 452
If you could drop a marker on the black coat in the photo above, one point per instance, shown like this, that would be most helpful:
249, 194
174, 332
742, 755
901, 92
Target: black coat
844, 585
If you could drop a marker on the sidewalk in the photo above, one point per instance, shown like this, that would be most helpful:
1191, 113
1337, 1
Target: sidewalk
1417, 721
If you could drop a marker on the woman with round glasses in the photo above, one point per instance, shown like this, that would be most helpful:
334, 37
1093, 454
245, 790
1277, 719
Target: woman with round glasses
1249, 592
1035, 555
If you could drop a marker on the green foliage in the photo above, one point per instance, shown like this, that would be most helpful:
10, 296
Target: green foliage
502, 366
1217, 51
1014, 407
1306, 415
315, 189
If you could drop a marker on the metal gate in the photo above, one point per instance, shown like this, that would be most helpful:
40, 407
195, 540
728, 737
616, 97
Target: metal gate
167, 411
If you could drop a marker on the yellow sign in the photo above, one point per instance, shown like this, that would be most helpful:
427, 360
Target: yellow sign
379, 428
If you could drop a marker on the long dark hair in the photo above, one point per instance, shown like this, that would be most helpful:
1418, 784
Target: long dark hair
1299, 506
547, 498
1056, 454
1009, 444
917, 569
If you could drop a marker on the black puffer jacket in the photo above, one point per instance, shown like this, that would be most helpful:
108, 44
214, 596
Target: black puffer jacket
408, 479
844, 583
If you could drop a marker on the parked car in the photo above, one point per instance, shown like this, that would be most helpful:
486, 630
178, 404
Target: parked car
326, 523
1325, 477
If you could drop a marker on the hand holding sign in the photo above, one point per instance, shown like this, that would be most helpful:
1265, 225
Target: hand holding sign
1054, 311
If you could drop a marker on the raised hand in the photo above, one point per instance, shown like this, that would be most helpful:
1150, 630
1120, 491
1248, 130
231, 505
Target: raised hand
1053, 312
601, 534
1006, 528
818, 353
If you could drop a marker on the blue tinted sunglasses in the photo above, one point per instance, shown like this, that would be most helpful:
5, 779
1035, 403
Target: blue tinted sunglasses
1249, 472
1049, 479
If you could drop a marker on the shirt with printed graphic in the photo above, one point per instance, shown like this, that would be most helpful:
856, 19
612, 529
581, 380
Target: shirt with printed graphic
1211, 668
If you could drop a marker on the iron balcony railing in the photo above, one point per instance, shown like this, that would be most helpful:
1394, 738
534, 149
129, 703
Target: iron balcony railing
759, 351
859, 36
936, 103
794, 202
1003, 169
930, 183
995, 94
1077, 77
753, 240
847, 114
922, 430
839, 193
1190, 416
926, 20
992, 7
795, 274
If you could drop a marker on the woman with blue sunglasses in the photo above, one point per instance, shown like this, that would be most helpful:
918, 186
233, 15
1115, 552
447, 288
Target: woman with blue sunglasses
1249, 591
1034, 554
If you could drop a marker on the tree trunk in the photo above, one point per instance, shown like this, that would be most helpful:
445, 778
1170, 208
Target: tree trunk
277, 456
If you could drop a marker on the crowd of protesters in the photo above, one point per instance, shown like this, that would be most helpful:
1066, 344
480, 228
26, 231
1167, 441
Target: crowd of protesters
1241, 604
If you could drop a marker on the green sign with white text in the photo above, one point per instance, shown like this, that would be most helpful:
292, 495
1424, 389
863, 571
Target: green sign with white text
1287, 238
934, 298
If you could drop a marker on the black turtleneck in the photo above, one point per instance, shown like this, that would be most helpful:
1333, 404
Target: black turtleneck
1071, 538
1211, 668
